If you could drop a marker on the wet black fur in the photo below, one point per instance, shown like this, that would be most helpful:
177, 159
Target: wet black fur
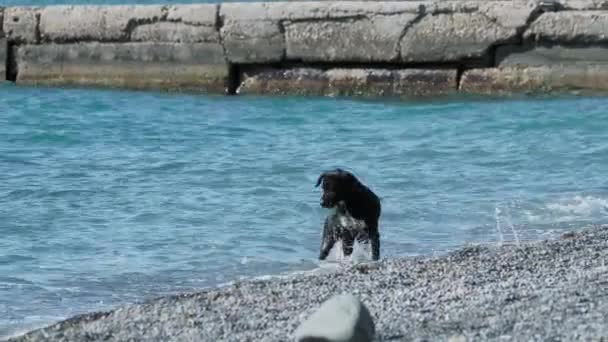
351, 200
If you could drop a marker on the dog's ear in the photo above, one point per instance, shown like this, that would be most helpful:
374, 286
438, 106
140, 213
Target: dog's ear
320, 179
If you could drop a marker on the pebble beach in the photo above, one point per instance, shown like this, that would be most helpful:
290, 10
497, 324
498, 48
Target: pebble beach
547, 290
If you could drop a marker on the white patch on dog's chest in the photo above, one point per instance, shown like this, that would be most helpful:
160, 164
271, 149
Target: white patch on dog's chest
348, 222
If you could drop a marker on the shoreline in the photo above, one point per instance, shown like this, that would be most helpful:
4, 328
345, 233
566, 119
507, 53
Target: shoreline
546, 289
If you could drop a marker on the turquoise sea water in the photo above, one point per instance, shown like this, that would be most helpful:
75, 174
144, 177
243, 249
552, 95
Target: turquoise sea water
110, 197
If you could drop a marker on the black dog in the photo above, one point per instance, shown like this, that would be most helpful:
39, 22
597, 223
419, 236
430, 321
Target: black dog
357, 211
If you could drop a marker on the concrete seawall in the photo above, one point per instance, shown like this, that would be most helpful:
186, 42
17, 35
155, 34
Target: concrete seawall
363, 48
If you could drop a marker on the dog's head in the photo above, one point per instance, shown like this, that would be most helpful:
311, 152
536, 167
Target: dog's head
337, 185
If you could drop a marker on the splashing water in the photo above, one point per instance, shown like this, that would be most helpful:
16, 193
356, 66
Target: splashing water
497, 218
507, 221
570, 209
361, 253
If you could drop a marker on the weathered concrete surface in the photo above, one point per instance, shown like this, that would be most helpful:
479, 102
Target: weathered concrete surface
354, 40
21, 24
190, 67
194, 14
455, 35
585, 27
316, 10
315, 30
536, 79
174, 32
348, 82
253, 41
550, 55
94, 23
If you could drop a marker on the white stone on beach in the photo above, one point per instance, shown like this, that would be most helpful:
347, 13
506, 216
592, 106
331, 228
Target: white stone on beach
342, 318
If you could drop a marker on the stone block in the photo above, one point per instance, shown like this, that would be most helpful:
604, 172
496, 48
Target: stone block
295, 81
194, 14
21, 24
570, 27
359, 82
174, 32
461, 33
347, 82
253, 41
252, 32
424, 82
355, 40
550, 55
196, 67
342, 318
310, 10
542, 79
95, 23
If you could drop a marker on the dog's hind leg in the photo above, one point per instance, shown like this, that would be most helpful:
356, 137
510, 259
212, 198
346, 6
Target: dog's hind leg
328, 240
375, 239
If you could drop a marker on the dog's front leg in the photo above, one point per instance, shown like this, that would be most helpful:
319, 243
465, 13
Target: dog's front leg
375, 239
328, 240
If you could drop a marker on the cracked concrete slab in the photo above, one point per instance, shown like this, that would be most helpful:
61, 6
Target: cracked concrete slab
176, 32
374, 39
95, 23
538, 79
453, 36
194, 14
578, 27
317, 10
253, 41
551, 55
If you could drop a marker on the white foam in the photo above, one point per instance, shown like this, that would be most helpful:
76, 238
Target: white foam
570, 209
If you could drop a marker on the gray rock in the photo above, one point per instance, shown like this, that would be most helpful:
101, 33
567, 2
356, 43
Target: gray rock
355, 40
166, 66
21, 23
342, 318
253, 41
518, 55
175, 32
585, 27
539, 79
94, 23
